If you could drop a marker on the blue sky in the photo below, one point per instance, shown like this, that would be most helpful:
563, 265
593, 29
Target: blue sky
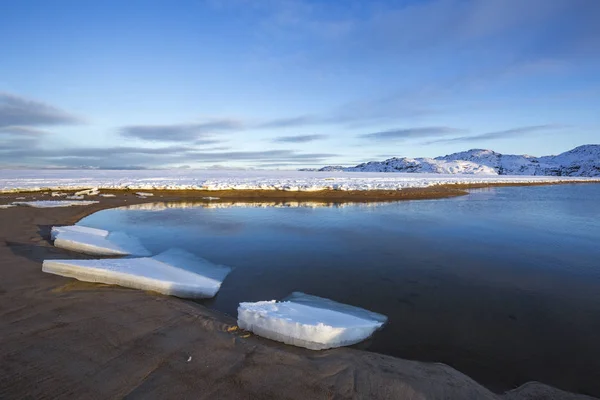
293, 83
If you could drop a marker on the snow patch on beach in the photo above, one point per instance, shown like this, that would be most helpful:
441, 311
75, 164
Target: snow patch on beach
88, 192
53, 203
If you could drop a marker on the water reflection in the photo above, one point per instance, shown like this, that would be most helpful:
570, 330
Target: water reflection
216, 204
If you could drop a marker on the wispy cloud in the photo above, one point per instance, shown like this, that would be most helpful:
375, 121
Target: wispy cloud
181, 132
20, 114
207, 142
302, 120
504, 134
23, 151
22, 131
350, 115
298, 138
410, 133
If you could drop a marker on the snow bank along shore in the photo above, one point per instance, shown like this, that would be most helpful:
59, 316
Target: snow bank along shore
37, 180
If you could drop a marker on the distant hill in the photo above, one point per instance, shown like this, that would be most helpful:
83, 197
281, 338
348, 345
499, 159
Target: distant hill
581, 161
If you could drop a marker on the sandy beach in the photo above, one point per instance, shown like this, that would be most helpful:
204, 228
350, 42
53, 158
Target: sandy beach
61, 338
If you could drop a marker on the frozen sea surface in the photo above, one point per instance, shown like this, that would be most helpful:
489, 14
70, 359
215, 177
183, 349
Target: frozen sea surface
15, 180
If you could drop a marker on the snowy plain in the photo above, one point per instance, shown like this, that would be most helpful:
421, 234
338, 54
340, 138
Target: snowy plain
36, 180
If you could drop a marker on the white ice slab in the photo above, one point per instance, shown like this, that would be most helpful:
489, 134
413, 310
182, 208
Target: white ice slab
6, 206
309, 321
88, 192
97, 242
184, 260
53, 203
56, 230
174, 272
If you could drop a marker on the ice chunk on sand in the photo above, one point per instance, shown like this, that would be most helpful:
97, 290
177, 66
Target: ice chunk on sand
144, 194
88, 192
53, 203
6, 206
174, 272
56, 230
309, 321
97, 242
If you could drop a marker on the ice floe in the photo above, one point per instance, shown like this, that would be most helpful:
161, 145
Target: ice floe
97, 242
174, 272
309, 321
6, 206
53, 203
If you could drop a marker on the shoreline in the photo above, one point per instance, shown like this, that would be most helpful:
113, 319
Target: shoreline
65, 338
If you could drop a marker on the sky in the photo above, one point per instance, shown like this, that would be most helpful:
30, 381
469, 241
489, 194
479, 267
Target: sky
292, 83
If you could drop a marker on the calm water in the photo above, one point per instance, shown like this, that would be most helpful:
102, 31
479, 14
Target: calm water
502, 284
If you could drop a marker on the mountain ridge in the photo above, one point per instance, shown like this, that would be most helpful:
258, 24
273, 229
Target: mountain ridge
581, 161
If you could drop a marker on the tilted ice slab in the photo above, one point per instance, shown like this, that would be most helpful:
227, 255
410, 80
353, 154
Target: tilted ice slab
174, 272
57, 230
309, 321
97, 242
53, 203
21, 180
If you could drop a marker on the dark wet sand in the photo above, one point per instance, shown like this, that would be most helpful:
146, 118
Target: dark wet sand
60, 338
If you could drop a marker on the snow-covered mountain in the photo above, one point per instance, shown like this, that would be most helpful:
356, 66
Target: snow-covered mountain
581, 161
425, 165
